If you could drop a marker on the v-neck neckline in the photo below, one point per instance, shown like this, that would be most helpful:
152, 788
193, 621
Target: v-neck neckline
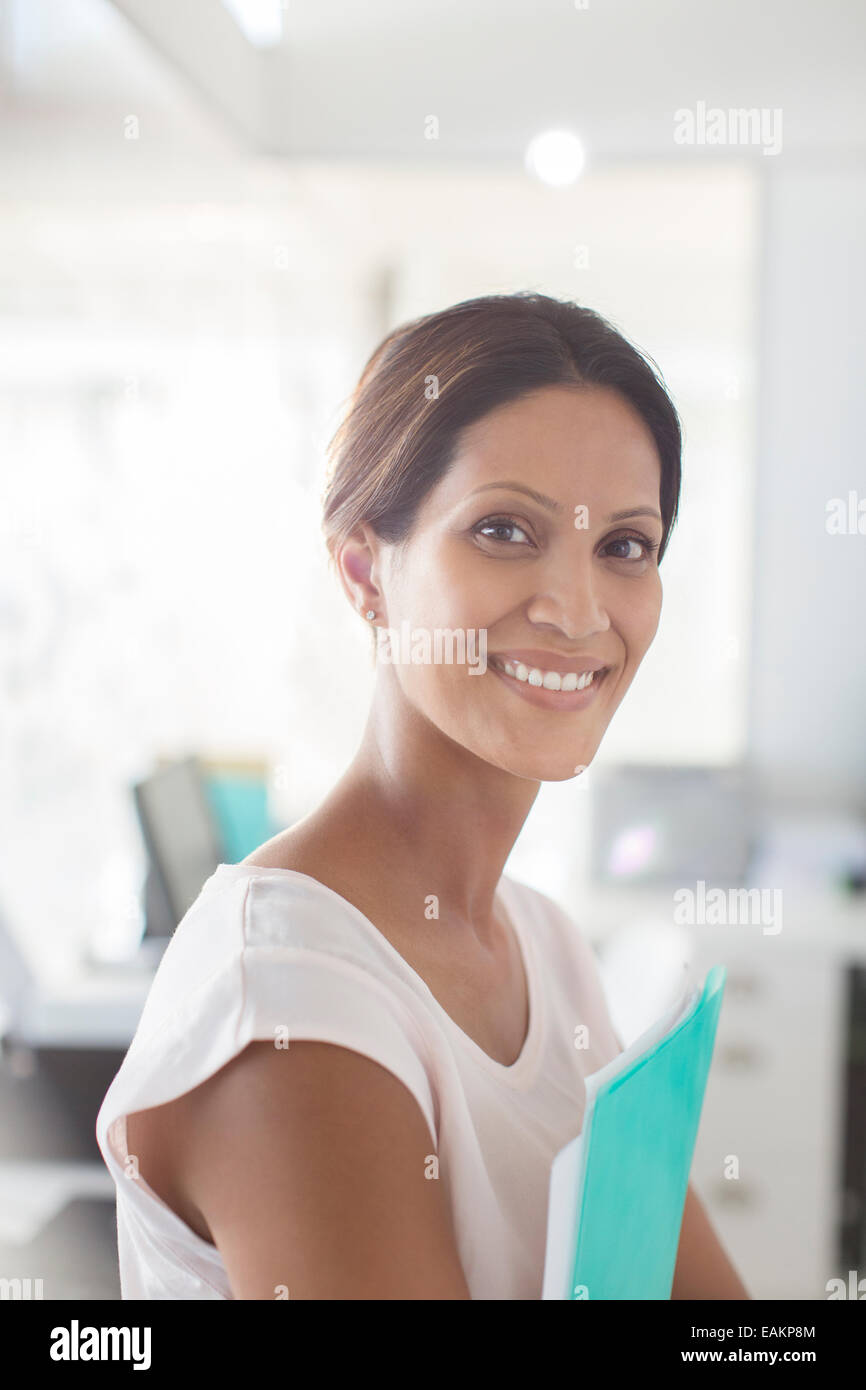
518, 1072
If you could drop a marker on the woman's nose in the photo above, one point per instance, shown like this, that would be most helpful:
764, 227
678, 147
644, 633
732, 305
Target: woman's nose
573, 603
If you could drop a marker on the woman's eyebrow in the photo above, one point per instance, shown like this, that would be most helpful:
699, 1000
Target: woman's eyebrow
539, 497
552, 506
635, 511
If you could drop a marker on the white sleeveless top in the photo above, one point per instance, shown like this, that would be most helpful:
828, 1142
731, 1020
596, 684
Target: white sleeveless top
265, 949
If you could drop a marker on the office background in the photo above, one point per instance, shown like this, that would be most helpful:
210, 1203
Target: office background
210, 214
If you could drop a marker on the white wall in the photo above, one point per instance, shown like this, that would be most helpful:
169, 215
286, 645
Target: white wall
808, 694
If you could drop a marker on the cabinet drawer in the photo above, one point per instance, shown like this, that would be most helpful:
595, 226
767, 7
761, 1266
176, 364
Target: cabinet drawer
776, 1224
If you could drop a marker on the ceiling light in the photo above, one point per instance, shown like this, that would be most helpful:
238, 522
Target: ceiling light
556, 157
261, 21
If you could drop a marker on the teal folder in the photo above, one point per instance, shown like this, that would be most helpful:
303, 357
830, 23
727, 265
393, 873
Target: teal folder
618, 1190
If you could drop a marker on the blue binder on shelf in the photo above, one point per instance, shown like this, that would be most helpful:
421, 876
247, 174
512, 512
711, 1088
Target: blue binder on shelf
618, 1190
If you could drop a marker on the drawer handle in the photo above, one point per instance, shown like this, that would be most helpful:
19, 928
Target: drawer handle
733, 1192
740, 1056
745, 986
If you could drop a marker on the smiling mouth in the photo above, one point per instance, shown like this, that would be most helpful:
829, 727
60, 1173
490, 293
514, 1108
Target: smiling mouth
537, 679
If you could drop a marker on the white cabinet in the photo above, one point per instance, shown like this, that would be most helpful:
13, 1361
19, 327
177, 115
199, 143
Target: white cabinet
774, 1104
775, 1095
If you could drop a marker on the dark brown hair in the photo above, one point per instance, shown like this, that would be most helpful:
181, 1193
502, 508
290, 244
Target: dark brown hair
399, 436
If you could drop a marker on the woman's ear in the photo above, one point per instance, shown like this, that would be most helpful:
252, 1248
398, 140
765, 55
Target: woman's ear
357, 565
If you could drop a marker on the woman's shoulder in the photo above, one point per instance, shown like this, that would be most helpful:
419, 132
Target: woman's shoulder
316, 911
542, 913
265, 950
285, 896
265, 958
306, 849
547, 911
563, 943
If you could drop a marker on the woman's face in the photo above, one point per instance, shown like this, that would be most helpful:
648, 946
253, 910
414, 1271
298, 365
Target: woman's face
557, 581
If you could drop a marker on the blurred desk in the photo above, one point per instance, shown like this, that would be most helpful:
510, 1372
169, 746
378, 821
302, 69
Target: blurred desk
60, 1052
93, 1008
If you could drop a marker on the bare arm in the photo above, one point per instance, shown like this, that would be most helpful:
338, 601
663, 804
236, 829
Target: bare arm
308, 1165
703, 1269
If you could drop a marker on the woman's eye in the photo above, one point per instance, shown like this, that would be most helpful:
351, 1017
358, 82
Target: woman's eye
500, 524
626, 541
647, 546
510, 533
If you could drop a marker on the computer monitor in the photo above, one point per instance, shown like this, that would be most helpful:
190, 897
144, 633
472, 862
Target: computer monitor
183, 840
665, 826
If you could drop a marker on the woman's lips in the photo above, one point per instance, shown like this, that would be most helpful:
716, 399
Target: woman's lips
563, 700
551, 661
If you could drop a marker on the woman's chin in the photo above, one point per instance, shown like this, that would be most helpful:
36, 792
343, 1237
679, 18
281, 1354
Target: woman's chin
559, 773
539, 767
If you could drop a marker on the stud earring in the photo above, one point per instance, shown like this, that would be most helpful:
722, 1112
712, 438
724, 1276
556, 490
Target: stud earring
370, 614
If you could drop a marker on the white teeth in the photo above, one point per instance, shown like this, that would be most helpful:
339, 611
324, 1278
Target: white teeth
550, 680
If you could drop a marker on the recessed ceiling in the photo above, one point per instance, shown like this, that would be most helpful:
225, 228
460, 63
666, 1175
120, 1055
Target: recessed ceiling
360, 81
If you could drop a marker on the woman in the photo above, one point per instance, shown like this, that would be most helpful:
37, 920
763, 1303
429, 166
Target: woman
357, 1059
